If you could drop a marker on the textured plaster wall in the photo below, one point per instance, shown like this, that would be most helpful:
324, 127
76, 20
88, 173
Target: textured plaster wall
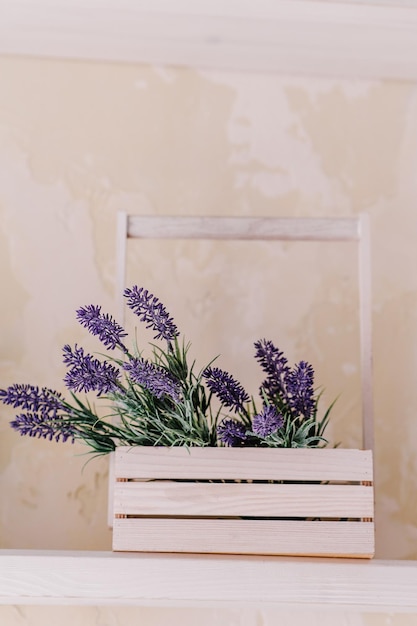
80, 141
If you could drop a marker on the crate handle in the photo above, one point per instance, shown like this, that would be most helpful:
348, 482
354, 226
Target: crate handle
268, 228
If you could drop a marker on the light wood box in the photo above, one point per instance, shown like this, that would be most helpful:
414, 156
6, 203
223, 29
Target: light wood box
300, 502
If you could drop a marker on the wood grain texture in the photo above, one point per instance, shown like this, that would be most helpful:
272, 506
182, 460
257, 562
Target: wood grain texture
243, 228
323, 501
242, 499
365, 328
337, 39
121, 249
99, 578
121, 260
244, 463
195, 511
303, 538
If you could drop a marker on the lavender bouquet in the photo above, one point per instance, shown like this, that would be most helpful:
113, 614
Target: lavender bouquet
162, 400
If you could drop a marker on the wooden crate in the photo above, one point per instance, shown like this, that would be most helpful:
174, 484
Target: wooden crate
315, 502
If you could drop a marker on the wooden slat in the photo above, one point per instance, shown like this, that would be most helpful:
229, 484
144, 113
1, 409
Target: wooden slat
121, 245
365, 324
121, 242
353, 539
249, 228
245, 464
222, 499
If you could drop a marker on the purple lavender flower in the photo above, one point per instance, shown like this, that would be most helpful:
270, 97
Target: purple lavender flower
231, 432
271, 359
41, 425
274, 364
32, 398
267, 422
299, 382
230, 392
42, 406
151, 311
155, 379
87, 373
103, 326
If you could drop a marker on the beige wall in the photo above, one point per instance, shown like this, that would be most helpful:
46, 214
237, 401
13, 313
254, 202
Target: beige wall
80, 141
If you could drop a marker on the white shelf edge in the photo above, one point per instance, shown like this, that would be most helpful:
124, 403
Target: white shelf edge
297, 37
107, 578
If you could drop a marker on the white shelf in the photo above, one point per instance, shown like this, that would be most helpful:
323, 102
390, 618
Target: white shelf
106, 578
357, 40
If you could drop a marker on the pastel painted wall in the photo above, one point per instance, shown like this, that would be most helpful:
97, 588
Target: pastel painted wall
81, 141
